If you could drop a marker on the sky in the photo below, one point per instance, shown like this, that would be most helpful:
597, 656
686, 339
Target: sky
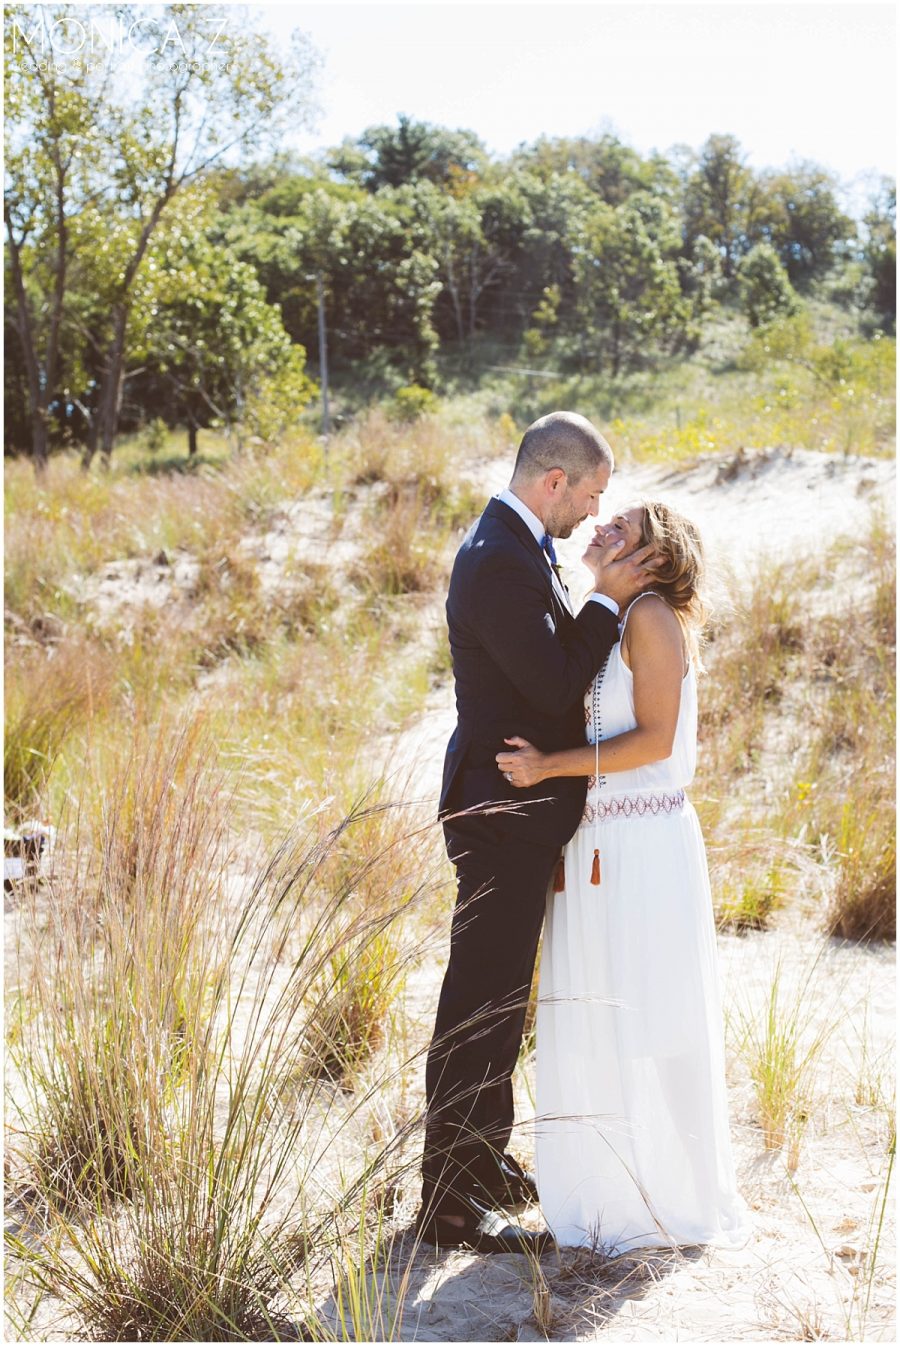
791, 81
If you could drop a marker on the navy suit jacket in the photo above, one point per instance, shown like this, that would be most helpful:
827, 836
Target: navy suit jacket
522, 663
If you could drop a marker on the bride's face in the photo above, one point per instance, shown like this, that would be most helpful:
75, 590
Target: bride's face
626, 525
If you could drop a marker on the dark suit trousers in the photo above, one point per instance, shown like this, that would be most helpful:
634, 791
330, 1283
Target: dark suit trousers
502, 889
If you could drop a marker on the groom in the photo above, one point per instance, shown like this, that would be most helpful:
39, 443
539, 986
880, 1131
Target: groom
522, 662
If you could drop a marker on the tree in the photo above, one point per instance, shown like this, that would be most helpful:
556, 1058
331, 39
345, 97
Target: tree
880, 251
799, 215
553, 217
611, 169
700, 272
48, 125
473, 238
456, 239
125, 147
375, 254
626, 273
720, 197
764, 288
214, 343
388, 156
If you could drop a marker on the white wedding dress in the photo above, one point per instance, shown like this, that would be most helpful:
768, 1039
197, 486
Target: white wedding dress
632, 1139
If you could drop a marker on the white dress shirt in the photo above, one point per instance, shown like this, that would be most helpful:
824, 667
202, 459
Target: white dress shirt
538, 530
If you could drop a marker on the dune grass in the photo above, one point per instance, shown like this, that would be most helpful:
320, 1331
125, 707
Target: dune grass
210, 1110
782, 1048
800, 699
183, 1017
187, 1008
815, 386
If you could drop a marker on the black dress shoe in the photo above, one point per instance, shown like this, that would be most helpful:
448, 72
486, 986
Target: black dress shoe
486, 1230
516, 1187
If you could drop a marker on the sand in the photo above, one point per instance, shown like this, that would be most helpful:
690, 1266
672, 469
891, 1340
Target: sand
815, 1265
819, 1260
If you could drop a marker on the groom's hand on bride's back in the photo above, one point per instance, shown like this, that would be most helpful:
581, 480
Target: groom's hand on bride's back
622, 578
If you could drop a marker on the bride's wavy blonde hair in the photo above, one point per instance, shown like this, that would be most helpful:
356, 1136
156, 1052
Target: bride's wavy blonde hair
681, 578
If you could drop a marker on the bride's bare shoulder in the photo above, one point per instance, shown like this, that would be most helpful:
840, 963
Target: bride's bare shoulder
650, 619
650, 612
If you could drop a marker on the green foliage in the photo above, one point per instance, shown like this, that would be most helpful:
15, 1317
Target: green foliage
844, 395
610, 169
543, 319
156, 435
98, 156
880, 253
629, 295
798, 214
411, 402
278, 395
717, 201
216, 346
387, 156
149, 280
764, 287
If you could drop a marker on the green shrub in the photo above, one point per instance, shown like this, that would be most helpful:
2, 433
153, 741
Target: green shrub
411, 402
156, 435
765, 290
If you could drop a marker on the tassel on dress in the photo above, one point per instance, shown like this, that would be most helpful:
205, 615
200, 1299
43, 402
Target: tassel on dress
595, 869
559, 876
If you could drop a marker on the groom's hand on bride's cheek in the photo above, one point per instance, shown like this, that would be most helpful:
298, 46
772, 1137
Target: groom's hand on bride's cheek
634, 573
647, 562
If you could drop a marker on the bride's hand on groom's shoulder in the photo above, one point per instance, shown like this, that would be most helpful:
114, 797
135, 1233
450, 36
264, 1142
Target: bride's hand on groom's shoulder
524, 766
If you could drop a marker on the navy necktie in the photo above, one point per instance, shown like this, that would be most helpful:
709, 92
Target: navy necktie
547, 544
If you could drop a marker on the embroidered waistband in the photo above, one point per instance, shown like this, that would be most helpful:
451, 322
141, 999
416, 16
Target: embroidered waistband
631, 806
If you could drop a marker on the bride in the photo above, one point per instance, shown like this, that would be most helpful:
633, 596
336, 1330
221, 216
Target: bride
632, 1141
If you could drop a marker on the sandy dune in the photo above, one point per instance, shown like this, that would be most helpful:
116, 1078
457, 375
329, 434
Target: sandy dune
807, 1270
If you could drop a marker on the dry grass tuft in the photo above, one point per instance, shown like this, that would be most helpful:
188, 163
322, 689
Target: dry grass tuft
781, 1048
800, 702
168, 1093
406, 555
748, 900
211, 1068
49, 694
353, 1002
751, 648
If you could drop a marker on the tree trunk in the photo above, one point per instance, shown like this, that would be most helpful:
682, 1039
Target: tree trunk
39, 439
113, 375
111, 389
192, 437
617, 348
90, 445
453, 289
37, 394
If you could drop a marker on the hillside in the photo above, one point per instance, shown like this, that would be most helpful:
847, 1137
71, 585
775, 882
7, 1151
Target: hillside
226, 689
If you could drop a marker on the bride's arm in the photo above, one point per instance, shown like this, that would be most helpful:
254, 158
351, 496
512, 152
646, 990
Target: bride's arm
656, 651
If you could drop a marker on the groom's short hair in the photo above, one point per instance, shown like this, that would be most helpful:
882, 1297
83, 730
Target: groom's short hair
562, 439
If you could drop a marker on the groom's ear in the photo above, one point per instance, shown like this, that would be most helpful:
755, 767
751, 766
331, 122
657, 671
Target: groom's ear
555, 480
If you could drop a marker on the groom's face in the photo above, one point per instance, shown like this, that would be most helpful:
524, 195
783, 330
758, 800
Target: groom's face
576, 502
